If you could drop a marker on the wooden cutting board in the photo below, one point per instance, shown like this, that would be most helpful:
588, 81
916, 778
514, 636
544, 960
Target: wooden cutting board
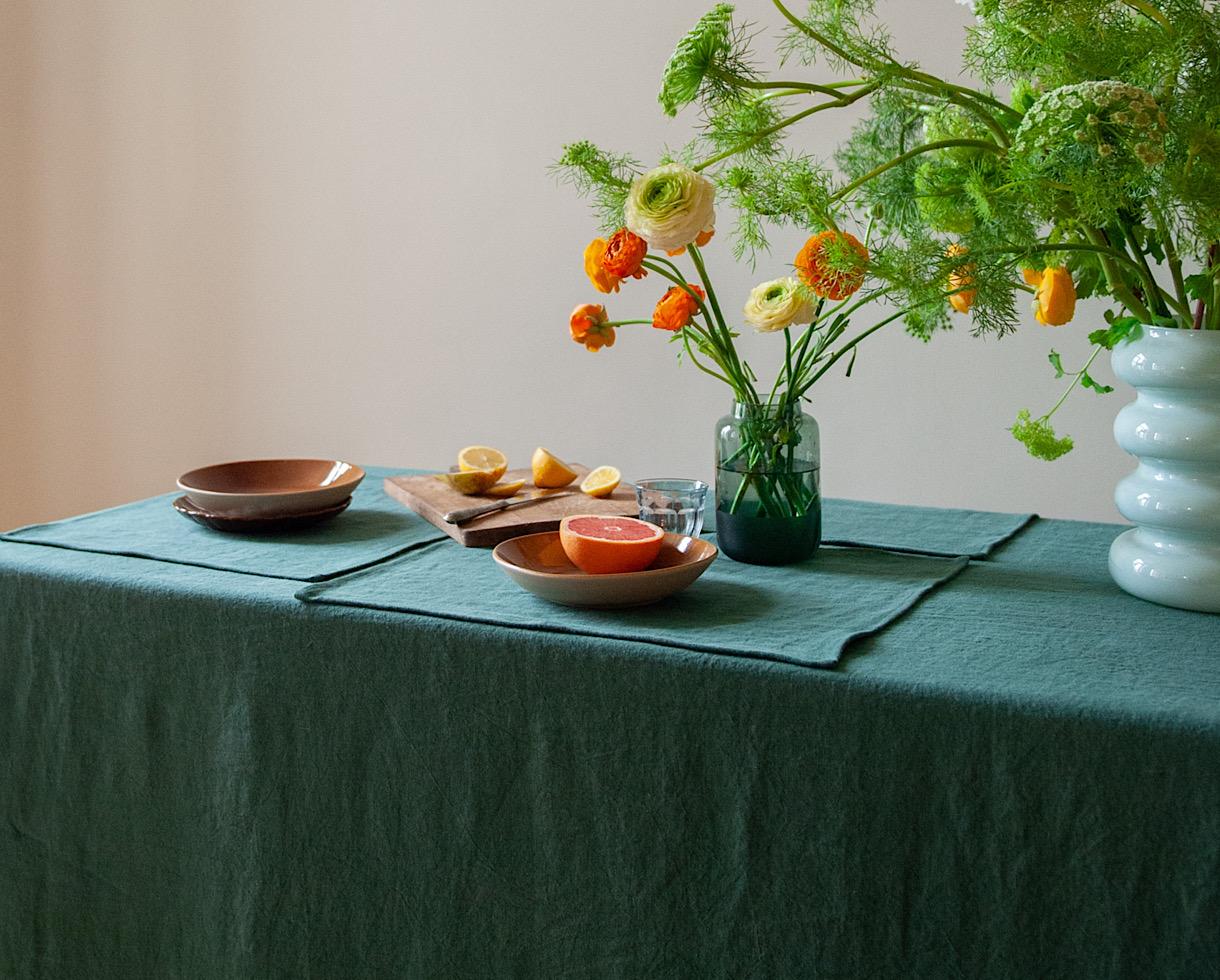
430, 498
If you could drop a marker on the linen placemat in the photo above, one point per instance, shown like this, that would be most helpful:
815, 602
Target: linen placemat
940, 531
373, 528
800, 614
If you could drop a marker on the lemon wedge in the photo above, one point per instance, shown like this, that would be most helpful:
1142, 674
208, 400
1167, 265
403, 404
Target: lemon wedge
550, 471
601, 482
504, 489
470, 481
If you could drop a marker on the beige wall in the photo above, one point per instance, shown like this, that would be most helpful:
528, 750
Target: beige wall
234, 229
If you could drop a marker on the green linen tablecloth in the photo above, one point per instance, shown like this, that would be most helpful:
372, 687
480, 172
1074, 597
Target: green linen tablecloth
205, 777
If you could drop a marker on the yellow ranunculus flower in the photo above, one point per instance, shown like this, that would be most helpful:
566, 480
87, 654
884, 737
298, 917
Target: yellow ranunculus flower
603, 280
777, 304
1055, 301
960, 277
670, 206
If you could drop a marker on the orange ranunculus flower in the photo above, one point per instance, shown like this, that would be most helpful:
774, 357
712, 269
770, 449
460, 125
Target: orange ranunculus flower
604, 281
676, 308
959, 277
624, 255
701, 239
590, 326
1055, 301
836, 275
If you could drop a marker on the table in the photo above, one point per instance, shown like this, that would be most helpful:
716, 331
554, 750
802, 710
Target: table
204, 776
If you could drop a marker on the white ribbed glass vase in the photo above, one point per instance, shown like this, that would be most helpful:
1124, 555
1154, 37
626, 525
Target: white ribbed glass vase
1172, 555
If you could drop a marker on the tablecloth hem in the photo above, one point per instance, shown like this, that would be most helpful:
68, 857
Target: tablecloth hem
349, 570
1026, 522
955, 565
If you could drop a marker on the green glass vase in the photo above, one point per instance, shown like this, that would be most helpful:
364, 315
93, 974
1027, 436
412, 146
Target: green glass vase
768, 496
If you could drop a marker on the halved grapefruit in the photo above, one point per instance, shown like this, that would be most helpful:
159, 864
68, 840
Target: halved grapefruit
605, 545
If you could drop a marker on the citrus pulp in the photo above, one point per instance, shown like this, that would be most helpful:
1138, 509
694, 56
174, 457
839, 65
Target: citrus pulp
601, 482
605, 545
482, 458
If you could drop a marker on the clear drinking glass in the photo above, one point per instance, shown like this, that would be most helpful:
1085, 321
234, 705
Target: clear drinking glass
673, 505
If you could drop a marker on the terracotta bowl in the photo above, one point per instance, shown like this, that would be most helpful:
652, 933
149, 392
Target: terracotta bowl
537, 562
270, 487
258, 525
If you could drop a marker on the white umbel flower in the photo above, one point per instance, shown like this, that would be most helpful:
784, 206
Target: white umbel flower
670, 206
777, 304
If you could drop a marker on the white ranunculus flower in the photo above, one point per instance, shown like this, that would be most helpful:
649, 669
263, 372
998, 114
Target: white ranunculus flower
777, 304
670, 205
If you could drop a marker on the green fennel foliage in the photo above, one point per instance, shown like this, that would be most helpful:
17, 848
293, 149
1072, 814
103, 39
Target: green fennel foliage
605, 177
788, 190
746, 127
1105, 159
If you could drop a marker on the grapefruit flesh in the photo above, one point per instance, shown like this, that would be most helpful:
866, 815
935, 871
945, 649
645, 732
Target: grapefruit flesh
608, 545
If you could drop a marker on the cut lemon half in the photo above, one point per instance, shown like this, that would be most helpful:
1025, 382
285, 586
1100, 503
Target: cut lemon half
470, 481
482, 458
601, 482
550, 471
505, 489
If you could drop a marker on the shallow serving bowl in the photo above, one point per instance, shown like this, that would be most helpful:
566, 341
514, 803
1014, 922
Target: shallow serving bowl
270, 487
537, 562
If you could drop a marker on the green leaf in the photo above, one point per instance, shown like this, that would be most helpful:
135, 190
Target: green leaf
1199, 286
1086, 381
1056, 363
1088, 275
1119, 330
1152, 244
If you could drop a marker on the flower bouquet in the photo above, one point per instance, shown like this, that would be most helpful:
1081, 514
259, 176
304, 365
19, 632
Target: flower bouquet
1097, 174
768, 456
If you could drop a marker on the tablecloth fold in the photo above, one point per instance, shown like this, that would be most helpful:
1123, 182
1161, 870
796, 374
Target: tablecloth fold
373, 528
800, 614
919, 530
